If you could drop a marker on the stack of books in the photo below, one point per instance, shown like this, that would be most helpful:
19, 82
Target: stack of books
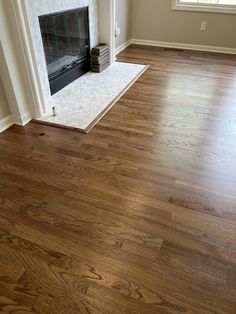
100, 58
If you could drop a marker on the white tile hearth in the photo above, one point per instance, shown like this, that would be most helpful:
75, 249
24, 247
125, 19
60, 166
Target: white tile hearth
81, 103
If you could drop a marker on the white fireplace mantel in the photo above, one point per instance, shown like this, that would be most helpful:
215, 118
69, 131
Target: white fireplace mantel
34, 93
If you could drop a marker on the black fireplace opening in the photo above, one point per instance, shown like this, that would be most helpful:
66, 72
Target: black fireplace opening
66, 45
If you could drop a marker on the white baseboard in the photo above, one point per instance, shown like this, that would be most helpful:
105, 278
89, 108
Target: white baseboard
123, 47
23, 120
183, 46
8, 121
5, 123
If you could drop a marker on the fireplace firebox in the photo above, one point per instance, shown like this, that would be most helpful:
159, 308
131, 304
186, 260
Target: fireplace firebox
66, 45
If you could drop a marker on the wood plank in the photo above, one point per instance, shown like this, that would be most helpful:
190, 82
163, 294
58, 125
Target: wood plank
139, 215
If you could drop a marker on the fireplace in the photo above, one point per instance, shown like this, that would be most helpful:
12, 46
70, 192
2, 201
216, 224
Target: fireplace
66, 45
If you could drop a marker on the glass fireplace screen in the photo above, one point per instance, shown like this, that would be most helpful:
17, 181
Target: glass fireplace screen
65, 38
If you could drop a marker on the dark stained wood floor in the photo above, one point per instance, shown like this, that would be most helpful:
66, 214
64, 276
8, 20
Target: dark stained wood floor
138, 216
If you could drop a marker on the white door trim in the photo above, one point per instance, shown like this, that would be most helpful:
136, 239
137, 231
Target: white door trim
112, 29
35, 94
107, 25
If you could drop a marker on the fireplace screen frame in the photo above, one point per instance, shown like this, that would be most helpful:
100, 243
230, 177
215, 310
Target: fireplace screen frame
67, 74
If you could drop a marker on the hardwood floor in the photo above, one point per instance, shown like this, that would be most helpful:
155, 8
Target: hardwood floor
138, 216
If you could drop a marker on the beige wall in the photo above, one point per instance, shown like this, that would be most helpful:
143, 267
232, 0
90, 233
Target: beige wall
4, 108
154, 20
123, 18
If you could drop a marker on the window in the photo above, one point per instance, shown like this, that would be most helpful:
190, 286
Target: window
217, 6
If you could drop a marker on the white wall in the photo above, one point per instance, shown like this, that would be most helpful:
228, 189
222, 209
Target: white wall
154, 20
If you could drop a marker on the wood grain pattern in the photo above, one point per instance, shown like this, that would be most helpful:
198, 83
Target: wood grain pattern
139, 215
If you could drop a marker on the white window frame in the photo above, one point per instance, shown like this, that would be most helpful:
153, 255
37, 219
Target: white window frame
215, 8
